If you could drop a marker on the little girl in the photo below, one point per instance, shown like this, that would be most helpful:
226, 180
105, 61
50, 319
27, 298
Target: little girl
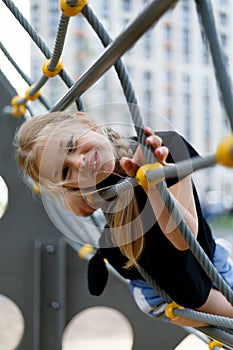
73, 153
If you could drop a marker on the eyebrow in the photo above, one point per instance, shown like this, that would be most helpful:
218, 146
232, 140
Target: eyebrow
57, 171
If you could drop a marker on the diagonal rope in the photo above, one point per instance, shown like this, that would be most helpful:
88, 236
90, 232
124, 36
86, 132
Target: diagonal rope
23, 75
39, 42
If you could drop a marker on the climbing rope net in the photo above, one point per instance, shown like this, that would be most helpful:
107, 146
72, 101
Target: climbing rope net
221, 328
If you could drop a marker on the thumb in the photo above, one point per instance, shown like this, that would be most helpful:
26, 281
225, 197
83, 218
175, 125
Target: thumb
129, 166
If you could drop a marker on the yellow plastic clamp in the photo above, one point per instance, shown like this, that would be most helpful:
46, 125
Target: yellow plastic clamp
36, 189
169, 310
31, 97
18, 109
85, 250
50, 74
141, 175
224, 154
70, 11
214, 343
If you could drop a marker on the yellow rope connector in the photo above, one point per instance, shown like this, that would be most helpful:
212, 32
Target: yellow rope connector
70, 11
31, 97
85, 250
169, 310
50, 74
224, 154
214, 343
36, 189
18, 109
141, 175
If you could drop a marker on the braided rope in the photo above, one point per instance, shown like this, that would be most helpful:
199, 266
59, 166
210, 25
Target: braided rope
135, 113
59, 43
194, 246
39, 42
214, 320
23, 75
165, 194
132, 103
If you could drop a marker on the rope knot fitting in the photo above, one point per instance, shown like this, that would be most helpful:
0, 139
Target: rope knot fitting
141, 175
72, 10
214, 344
49, 73
224, 153
32, 97
18, 106
169, 310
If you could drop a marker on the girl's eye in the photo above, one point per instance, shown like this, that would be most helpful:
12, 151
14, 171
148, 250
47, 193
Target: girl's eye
65, 173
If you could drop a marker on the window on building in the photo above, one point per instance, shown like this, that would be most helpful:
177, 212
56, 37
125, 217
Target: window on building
187, 114
147, 93
185, 12
126, 5
147, 77
105, 8
186, 44
147, 44
168, 52
169, 76
168, 32
223, 2
205, 50
224, 40
186, 87
186, 83
206, 113
147, 98
223, 19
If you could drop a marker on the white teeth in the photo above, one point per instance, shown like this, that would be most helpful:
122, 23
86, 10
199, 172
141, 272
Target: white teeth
94, 164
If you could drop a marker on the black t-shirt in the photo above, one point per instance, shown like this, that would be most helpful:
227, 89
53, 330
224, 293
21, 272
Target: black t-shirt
177, 272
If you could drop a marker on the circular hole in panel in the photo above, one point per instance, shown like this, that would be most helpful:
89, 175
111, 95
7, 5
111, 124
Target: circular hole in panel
11, 324
192, 342
3, 196
99, 328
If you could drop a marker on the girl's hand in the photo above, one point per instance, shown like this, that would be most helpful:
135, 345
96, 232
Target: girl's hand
131, 166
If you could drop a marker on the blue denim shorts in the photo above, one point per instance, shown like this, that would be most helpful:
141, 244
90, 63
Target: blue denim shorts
153, 305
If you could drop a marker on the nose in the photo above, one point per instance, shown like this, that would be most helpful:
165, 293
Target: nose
77, 162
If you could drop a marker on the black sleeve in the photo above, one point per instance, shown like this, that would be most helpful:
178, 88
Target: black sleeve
179, 149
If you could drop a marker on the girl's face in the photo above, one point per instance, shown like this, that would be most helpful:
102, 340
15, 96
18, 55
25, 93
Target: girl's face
80, 160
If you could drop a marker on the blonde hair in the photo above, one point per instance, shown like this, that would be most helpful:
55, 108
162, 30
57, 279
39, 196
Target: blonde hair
33, 135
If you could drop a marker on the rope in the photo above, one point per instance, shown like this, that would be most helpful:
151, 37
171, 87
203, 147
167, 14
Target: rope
23, 75
133, 106
185, 232
161, 6
40, 44
114, 51
214, 320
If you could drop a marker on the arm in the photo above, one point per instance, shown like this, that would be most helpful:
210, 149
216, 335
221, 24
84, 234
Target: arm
181, 192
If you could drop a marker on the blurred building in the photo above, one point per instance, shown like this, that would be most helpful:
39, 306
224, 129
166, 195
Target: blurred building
170, 68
